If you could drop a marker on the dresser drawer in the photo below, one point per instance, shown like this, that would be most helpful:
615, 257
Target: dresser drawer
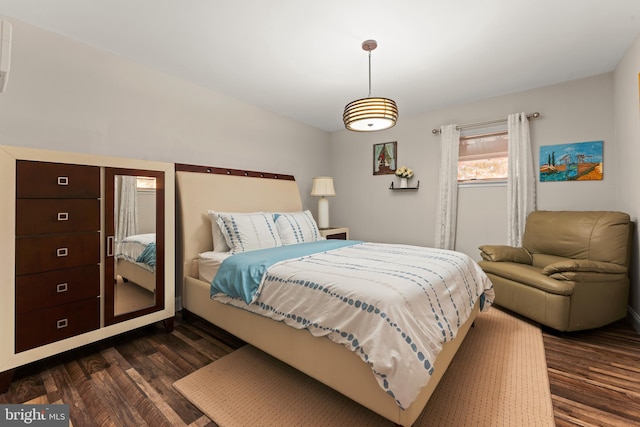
337, 236
39, 180
54, 216
56, 252
43, 290
53, 324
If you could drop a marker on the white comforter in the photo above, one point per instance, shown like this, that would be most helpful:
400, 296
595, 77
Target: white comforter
131, 247
394, 305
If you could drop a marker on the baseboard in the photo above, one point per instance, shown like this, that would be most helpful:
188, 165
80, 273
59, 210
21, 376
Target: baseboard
634, 319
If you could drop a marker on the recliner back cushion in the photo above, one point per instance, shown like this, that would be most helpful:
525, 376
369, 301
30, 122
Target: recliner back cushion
594, 235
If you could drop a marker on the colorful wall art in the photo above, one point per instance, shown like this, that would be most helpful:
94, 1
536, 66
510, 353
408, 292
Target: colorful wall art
578, 161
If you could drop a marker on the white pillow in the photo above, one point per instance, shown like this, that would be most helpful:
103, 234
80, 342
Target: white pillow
297, 227
248, 231
219, 241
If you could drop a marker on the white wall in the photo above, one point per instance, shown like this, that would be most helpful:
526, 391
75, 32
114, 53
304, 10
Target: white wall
146, 211
627, 129
63, 95
575, 111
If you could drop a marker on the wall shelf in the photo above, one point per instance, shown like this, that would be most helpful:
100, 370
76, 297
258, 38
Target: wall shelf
392, 187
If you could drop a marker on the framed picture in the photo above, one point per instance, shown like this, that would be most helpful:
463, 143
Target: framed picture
579, 161
384, 158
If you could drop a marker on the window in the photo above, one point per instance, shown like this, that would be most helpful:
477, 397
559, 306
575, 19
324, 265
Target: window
483, 158
145, 183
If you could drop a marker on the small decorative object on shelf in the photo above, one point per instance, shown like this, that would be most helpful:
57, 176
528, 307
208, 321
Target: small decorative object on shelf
404, 173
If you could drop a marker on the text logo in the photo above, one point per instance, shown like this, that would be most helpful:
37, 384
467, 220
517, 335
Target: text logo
34, 415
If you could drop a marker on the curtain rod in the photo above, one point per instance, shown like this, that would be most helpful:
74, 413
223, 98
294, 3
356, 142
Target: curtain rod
491, 122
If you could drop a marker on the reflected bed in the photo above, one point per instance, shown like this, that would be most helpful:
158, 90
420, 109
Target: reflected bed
136, 260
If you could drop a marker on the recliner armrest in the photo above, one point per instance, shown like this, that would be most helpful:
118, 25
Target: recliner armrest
583, 277
583, 265
584, 270
503, 253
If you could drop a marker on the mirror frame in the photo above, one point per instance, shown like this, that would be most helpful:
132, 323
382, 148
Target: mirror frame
109, 271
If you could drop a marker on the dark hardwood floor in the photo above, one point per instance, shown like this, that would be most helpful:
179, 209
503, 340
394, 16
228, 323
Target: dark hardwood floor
127, 380
595, 376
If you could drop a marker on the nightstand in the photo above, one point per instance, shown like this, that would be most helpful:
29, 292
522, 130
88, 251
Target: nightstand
341, 233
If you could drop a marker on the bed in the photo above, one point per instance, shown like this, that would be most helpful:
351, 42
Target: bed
136, 260
201, 189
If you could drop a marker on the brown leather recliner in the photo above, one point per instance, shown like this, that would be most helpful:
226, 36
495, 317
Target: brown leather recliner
571, 272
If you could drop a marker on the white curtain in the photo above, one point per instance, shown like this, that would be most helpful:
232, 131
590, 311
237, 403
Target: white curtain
447, 204
126, 207
521, 181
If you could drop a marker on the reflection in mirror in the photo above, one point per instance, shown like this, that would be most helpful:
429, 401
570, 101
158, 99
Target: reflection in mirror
135, 243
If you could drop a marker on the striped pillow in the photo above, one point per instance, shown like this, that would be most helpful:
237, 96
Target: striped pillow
219, 241
297, 227
248, 231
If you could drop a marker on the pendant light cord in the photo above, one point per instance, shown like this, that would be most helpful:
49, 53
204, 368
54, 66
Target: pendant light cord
369, 74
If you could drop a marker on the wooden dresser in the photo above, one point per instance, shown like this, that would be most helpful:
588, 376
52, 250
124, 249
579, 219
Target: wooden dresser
57, 252
57, 279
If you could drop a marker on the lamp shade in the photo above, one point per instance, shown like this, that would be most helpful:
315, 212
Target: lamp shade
370, 114
322, 186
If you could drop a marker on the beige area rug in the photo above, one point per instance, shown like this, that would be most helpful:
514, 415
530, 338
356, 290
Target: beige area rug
498, 378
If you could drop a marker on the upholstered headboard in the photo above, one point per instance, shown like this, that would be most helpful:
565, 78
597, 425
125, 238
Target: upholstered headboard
202, 188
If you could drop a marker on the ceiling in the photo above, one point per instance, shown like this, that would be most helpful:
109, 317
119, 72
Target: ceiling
303, 59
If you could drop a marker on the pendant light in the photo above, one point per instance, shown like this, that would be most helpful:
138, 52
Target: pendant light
370, 114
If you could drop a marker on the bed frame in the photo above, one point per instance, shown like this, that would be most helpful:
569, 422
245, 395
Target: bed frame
202, 188
136, 274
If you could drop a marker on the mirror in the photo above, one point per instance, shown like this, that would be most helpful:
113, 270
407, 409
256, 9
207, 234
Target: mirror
134, 281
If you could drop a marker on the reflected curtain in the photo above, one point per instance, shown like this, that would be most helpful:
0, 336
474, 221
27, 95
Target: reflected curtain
447, 203
521, 181
126, 208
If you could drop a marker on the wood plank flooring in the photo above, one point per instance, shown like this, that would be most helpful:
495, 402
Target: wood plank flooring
595, 376
127, 380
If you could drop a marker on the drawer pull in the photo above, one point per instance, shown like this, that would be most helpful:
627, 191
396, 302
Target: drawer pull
62, 287
62, 323
63, 216
63, 180
60, 252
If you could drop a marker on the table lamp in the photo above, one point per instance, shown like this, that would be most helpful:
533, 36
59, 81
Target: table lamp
323, 186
